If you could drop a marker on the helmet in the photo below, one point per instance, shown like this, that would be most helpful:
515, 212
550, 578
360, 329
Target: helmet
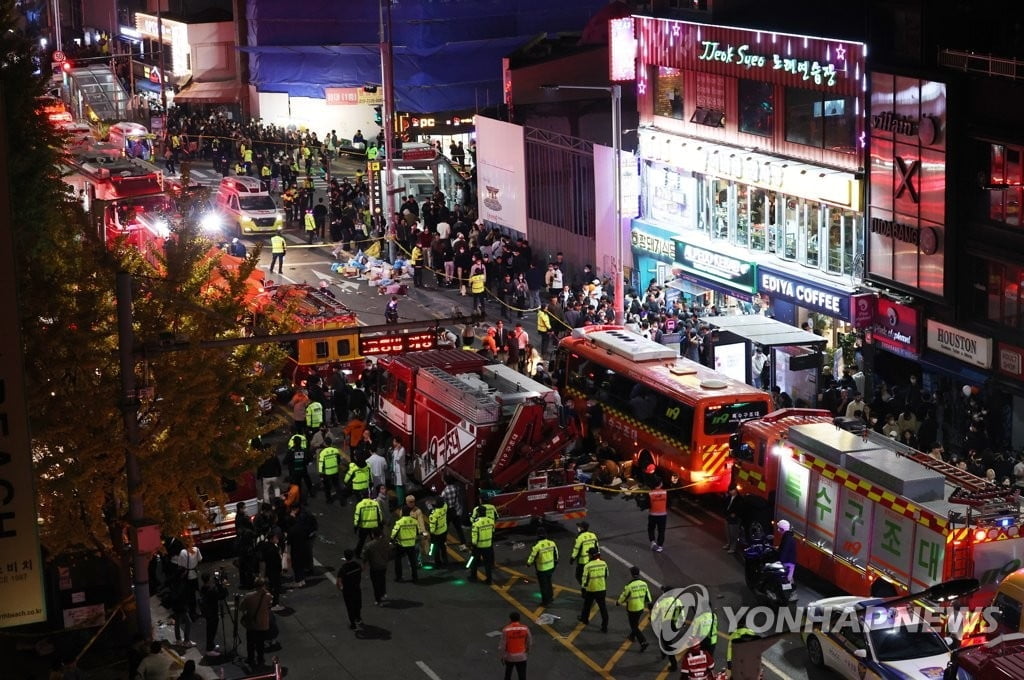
650, 469
783, 525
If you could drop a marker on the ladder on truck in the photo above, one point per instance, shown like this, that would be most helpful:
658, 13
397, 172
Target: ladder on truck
527, 445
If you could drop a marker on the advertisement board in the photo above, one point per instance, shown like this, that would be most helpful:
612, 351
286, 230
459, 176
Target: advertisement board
897, 328
501, 173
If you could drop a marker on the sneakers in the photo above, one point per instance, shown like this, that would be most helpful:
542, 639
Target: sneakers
658, 548
726, 546
300, 584
277, 608
654, 545
212, 652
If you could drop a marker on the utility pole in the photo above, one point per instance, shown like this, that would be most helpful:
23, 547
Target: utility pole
388, 110
160, 39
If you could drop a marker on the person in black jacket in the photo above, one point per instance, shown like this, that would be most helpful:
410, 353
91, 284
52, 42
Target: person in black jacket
787, 547
270, 554
245, 543
269, 474
211, 593
301, 534
350, 576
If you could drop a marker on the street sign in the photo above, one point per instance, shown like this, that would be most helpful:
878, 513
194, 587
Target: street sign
59, 56
154, 75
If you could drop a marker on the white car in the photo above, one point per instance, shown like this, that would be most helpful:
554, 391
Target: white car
869, 638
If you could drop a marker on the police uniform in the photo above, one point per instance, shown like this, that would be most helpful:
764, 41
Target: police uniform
545, 558
438, 526
636, 596
277, 248
404, 533
366, 519
357, 478
329, 467
483, 547
595, 588
585, 541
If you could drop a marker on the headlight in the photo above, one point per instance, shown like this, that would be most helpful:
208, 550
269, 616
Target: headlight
278, 219
210, 222
245, 219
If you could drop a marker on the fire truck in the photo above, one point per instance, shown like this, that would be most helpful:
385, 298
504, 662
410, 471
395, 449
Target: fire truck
99, 174
999, 659
486, 425
301, 307
874, 516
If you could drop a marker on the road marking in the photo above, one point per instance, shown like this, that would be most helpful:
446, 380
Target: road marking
694, 520
427, 671
647, 577
494, 633
624, 647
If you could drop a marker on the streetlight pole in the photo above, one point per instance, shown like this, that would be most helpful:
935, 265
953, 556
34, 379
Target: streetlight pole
618, 270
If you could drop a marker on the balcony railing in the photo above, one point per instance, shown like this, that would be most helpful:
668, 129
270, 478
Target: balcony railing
985, 64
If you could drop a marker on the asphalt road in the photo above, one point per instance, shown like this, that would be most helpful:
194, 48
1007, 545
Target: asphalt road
445, 627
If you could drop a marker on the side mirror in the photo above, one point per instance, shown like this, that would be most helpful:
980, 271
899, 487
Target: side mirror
861, 653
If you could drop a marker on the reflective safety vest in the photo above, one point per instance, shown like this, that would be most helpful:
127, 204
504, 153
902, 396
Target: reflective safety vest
477, 283
595, 576
659, 502
277, 244
371, 153
314, 414
740, 635
439, 520
358, 478
416, 257
310, 222
248, 156
636, 595
483, 532
668, 609
543, 321
299, 460
405, 531
545, 554
330, 460
485, 510
367, 514
581, 548
297, 441
265, 171
705, 627
516, 638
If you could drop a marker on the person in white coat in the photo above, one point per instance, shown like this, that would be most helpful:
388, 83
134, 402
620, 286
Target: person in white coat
398, 468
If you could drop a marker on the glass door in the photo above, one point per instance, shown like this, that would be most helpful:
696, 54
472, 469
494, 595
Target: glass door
793, 219
812, 234
744, 196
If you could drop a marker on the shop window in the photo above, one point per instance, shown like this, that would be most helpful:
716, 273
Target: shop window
760, 209
821, 120
1005, 301
744, 194
791, 227
668, 93
756, 107
1005, 180
812, 235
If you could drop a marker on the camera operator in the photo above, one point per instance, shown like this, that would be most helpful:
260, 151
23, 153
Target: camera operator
213, 591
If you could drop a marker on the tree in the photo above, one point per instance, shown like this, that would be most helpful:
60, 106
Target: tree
198, 413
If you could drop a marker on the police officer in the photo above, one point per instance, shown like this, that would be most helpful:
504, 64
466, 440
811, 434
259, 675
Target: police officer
670, 610
545, 558
586, 540
485, 510
357, 478
314, 417
367, 519
277, 248
310, 223
404, 534
482, 537
329, 467
438, 526
595, 588
637, 597
296, 461
705, 628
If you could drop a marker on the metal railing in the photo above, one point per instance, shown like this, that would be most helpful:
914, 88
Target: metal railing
985, 64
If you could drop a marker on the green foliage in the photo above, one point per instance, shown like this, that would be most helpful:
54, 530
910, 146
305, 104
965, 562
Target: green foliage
199, 409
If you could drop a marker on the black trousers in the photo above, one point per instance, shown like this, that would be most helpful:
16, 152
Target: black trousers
656, 523
589, 599
254, 646
211, 629
408, 553
379, 580
635, 634
483, 557
547, 593
353, 605
363, 535
439, 544
520, 667
331, 482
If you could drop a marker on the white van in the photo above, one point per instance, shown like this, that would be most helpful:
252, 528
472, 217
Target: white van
247, 208
134, 140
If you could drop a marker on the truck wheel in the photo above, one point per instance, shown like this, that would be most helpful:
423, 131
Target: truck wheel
814, 652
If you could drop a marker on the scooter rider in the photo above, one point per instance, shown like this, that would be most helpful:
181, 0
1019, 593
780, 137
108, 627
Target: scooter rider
787, 547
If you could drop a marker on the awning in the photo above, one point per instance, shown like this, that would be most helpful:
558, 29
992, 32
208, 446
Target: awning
147, 85
210, 93
764, 331
936, 362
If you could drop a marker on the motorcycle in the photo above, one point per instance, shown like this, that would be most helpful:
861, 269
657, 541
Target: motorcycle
765, 575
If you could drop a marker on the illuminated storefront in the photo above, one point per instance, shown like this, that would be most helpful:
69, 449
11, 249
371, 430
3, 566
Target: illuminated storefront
752, 146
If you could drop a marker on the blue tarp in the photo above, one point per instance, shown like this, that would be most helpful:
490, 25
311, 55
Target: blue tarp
447, 53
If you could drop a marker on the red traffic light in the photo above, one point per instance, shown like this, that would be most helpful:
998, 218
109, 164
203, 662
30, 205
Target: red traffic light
66, 66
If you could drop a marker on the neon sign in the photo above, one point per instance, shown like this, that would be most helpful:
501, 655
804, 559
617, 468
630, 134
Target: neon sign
742, 56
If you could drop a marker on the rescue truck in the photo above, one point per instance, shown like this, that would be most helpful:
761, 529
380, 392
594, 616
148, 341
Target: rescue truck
301, 307
999, 659
486, 425
871, 515
98, 174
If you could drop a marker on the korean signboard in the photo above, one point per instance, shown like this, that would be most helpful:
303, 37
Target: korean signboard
896, 328
814, 296
351, 96
794, 485
892, 544
854, 520
967, 347
821, 523
709, 264
644, 243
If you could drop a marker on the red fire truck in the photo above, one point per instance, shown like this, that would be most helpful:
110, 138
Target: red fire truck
874, 516
492, 428
998, 659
